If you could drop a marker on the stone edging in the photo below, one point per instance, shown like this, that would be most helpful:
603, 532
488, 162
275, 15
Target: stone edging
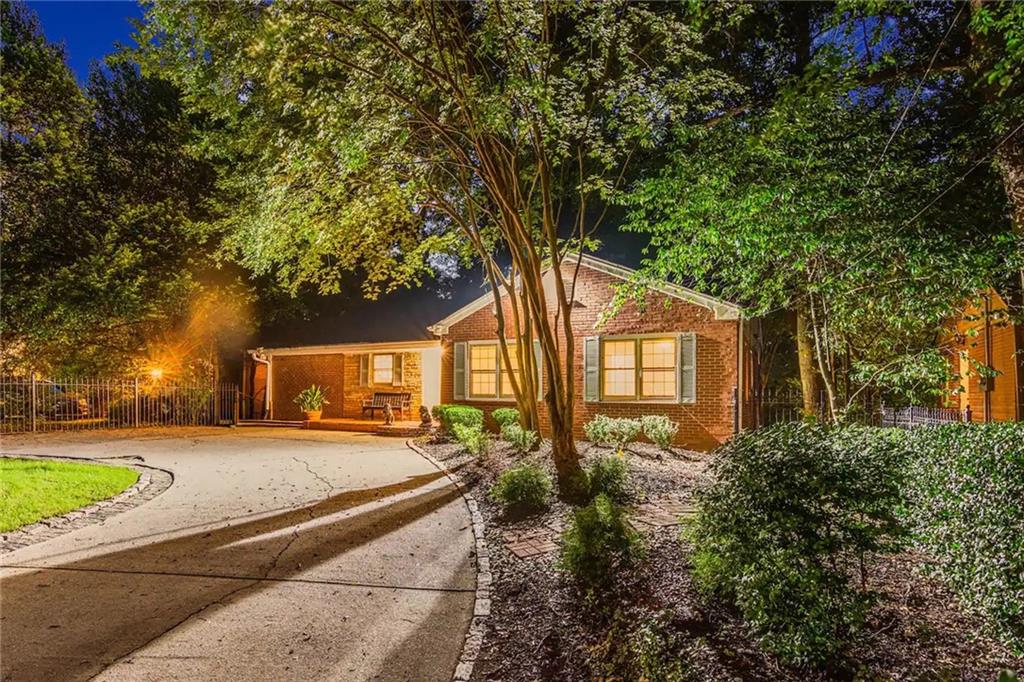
482, 606
152, 481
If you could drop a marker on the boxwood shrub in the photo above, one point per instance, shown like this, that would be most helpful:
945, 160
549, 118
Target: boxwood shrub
598, 543
966, 509
504, 416
473, 438
784, 530
609, 476
523, 489
449, 415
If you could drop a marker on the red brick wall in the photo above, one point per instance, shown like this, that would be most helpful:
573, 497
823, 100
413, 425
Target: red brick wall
703, 425
291, 374
338, 374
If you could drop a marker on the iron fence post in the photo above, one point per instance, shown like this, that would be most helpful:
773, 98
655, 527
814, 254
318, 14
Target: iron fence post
32, 411
238, 407
735, 410
136, 402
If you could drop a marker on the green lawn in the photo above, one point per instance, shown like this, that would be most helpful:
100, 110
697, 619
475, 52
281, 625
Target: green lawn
33, 489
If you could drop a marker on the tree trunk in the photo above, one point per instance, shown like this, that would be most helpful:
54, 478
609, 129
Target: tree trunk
809, 384
1009, 156
565, 457
824, 367
1010, 161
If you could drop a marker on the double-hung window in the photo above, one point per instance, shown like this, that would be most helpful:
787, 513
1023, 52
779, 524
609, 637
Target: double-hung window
483, 370
384, 369
639, 368
486, 375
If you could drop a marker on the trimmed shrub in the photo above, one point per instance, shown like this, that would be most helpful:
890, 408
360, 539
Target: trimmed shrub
789, 520
504, 416
523, 489
522, 440
659, 429
605, 430
597, 543
966, 493
608, 476
473, 438
641, 647
450, 415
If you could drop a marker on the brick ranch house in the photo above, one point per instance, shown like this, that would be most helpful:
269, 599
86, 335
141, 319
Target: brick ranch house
679, 353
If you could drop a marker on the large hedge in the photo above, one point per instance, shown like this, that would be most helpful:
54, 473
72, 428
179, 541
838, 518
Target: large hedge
785, 528
793, 511
966, 508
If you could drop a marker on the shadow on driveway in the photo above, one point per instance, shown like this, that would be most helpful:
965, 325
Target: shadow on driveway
70, 621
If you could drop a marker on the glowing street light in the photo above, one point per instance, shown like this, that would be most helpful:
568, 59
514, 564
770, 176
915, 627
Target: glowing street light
156, 373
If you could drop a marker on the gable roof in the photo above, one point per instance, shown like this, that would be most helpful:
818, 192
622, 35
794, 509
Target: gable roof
723, 310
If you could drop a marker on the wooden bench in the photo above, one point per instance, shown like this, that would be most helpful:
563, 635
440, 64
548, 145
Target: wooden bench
400, 403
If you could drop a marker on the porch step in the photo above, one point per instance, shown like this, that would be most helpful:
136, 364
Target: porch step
399, 430
279, 423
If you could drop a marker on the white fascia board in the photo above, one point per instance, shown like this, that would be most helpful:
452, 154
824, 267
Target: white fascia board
723, 310
334, 348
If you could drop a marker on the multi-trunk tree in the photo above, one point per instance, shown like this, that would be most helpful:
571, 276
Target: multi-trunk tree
377, 135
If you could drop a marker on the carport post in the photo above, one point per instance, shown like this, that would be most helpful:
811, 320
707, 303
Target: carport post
32, 411
136, 402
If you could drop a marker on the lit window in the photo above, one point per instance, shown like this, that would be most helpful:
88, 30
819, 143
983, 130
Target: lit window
638, 368
506, 382
619, 369
483, 374
488, 375
658, 368
384, 369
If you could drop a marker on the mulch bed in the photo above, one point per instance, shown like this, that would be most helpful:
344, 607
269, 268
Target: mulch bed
542, 627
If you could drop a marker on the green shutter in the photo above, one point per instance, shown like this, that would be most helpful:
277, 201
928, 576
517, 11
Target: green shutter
459, 366
398, 375
540, 369
687, 371
364, 370
591, 369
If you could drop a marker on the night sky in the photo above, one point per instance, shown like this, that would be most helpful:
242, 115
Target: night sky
91, 30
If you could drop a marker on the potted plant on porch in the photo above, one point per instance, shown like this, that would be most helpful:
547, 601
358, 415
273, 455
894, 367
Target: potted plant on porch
312, 401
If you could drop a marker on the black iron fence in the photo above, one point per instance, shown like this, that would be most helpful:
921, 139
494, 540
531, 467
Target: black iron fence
34, 404
778, 406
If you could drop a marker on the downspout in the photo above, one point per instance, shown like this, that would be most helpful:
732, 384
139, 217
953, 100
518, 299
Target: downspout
987, 393
738, 426
256, 356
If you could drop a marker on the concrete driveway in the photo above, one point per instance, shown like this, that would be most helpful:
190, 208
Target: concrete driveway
275, 555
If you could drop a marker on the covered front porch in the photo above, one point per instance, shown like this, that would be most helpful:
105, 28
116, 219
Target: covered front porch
357, 379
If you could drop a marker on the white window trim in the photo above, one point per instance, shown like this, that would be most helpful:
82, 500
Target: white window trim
469, 372
601, 399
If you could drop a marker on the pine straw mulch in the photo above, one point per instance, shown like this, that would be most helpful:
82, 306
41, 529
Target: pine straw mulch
542, 628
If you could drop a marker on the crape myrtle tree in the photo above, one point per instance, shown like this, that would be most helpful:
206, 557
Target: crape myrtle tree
375, 135
823, 189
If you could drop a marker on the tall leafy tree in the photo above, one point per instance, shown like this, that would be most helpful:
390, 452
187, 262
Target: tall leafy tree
823, 189
373, 134
102, 197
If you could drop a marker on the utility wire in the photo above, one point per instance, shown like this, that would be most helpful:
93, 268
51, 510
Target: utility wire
913, 98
